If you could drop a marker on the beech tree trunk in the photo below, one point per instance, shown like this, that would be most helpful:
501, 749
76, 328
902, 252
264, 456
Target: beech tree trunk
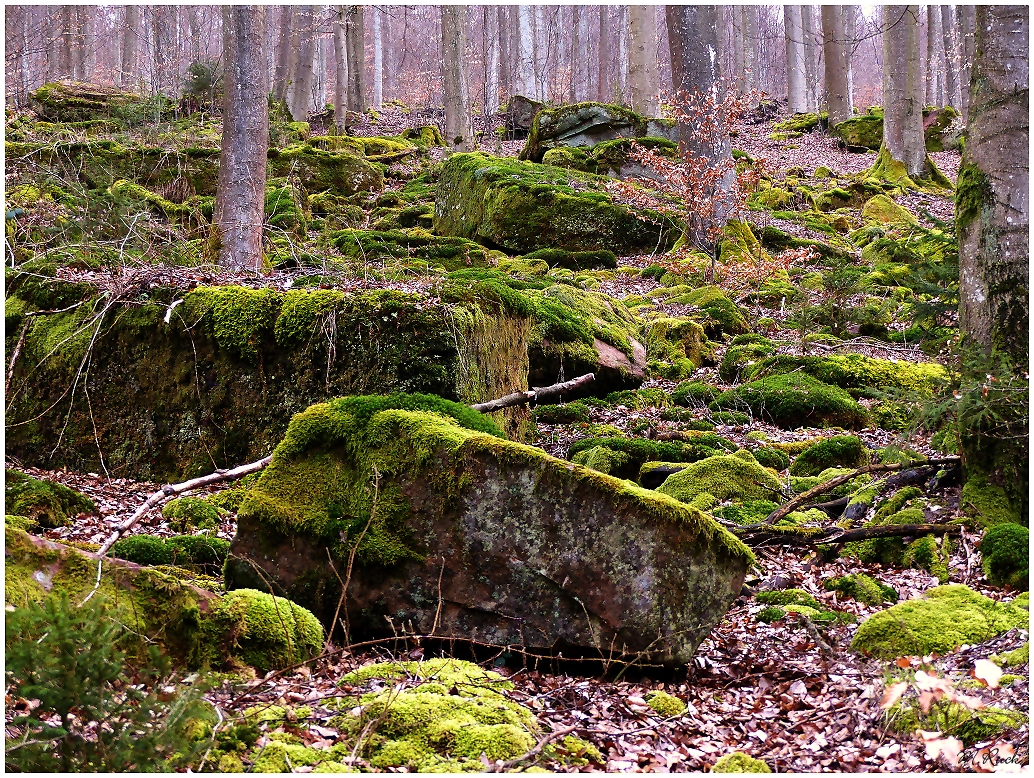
933, 43
992, 213
459, 135
378, 58
951, 57
300, 78
504, 24
751, 71
284, 51
340, 70
643, 84
83, 44
355, 50
579, 54
903, 89
492, 39
388, 66
967, 29
67, 27
834, 41
525, 52
130, 46
797, 96
812, 50
241, 189
604, 92
735, 56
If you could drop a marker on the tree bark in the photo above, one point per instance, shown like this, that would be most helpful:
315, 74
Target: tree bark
378, 59
526, 52
299, 87
604, 92
838, 98
388, 87
240, 195
340, 71
751, 54
642, 61
903, 90
284, 50
812, 50
951, 57
967, 46
355, 50
505, 27
459, 135
992, 222
579, 53
933, 43
130, 46
693, 43
797, 96
67, 33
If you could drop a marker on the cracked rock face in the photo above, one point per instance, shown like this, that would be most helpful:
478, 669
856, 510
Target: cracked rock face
500, 543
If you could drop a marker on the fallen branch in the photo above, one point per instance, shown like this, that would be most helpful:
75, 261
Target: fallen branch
538, 394
837, 536
502, 767
805, 497
160, 496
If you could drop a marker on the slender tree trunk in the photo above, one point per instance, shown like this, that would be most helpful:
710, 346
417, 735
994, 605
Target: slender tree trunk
240, 195
459, 135
319, 65
579, 53
736, 56
933, 41
812, 49
340, 71
163, 49
903, 90
67, 34
504, 23
603, 90
355, 38
130, 46
838, 100
967, 50
992, 213
850, 25
299, 90
389, 60
643, 88
797, 96
951, 58
525, 51
284, 51
378, 59
82, 50
751, 55
194, 23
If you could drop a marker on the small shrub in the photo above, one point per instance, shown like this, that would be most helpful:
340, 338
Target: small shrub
189, 513
562, 414
143, 550
837, 451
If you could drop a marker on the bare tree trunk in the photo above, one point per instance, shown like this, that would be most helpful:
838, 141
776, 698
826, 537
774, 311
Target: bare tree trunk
736, 58
163, 43
81, 52
355, 38
319, 65
967, 34
378, 58
579, 52
603, 90
130, 46
622, 79
850, 13
15, 52
838, 100
539, 50
240, 195
797, 96
525, 51
903, 89
951, 58
389, 61
933, 40
67, 33
459, 135
194, 22
340, 71
812, 49
299, 89
505, 27
751, 56
284, 51
643, 88
992, 216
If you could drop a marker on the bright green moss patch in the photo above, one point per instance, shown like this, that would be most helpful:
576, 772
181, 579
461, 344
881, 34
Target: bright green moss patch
862, 588
575, 260
190, 513
739, 762
767, 456
665, 704
986, 503
795, 400
942, 620
856, 372
1015, 658
722, 315
860, 132
1005, 555
882, 210
725, 477
789, 597
46, 503
567, 413
954, 719
693, 394
837, 451
638, 451
276, 633
450, 253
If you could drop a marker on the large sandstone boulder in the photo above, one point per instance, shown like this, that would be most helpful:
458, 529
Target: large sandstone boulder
454, 531
522, 207
74, 101
587, 124
519, 116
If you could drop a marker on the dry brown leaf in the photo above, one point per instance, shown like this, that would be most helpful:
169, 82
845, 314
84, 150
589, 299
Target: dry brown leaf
987, 671
893, 694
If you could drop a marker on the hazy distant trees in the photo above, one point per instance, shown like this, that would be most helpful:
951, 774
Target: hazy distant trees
459, 134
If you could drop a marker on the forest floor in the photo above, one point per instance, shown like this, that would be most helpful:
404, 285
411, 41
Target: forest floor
783, 692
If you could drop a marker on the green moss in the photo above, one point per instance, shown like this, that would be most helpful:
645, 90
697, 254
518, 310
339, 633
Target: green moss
23, 523
856, 372
724, 477
860, 132
320, 171
924, 554
954, 719
739, 762
862, 588
143, 550
549, 121
799, 122
973, 196
1015, 658
1005, 555
562, 414
370, 246
789, 597
887, 169
942, 620
275, 632
574, 260
794, 400
665, 704
285, 207
425, 136
987, 503
46, 503
768, 456
769, 614
639, 451
693, 394
740, 356
882, 210
745, 512
837, 451
603, 460
190, 513
722, 315
896, 503
237, 315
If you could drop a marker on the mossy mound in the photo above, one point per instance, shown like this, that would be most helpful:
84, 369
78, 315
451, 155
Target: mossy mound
739, 762
882, 210
694, 394
676, 348
863, 588
200, 552
987, 503
580, 125
954, 719
398, 490
612, 157
860, 132
906, 507
855, 372
45, 503
767, 456
190, 513
665, 704
795, 400
574, 260
523, 207
837, 451
73, 102
626, 456
275, 633
371, 246
742, 355
725, 477
1005, 555
567, 413
942, 620
721, 315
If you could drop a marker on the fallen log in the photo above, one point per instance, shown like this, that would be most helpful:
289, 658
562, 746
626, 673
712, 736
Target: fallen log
802, 499
838, 536
537, 395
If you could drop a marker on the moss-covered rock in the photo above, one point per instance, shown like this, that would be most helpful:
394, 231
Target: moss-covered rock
520, 533
275, 632
882, 210
523, 207
721, 315
987, 503
44, 503
636, 452
369, 246
198, 552
581, 125
739, 762
860, 132
72, 102
795, 400
1005, 555
665, 704
724, 477
954, 719
862, 588
855, 372
942, 620
190, 513
677, 347
837, 451
574, 260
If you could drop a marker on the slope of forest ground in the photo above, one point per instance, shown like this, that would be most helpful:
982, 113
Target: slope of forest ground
786, 688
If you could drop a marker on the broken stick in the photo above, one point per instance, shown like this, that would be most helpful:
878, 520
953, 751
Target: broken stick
537, 394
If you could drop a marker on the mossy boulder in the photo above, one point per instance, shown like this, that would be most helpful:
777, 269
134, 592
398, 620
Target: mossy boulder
837, 451
636, 452
195, 627
795, 400
677, 347
739, 762
860, 133
522, 207
580, 125
223, 376
726, 477
942, 620
404, 246
73, 101
190, 513
1005, 555
463, 533
863, 588
196, 552
856, 373
43, 503
719, 315
574, 260
882, 210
